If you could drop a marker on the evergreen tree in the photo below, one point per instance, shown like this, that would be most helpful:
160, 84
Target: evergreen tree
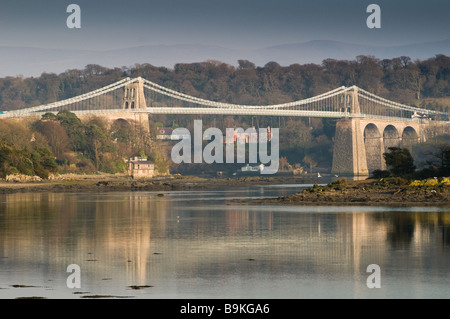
399, 161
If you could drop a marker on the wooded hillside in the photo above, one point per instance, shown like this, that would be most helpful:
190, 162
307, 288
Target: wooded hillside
421, 83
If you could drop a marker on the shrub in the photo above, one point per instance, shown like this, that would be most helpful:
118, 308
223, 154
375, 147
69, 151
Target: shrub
399, 161
401, 181
377, 174
86, 166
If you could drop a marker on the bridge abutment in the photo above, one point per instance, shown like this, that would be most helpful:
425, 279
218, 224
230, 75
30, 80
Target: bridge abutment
140, 119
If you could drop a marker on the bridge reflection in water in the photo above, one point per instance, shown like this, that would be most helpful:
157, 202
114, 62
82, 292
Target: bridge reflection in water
208, 246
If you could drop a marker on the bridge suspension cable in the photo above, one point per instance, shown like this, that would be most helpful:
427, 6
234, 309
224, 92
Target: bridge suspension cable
188, 98
76, 99
340, 102
388, 103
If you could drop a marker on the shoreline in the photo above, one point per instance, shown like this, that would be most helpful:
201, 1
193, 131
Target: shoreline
114, 183
384, 192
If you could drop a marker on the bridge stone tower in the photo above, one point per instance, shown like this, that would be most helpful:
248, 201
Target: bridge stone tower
349, 153
134, 98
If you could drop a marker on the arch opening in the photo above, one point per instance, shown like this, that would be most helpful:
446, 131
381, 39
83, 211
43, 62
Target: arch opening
391, 138
374, 148
409, 138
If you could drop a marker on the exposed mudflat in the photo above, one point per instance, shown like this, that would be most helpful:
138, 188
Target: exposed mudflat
111, 183
368, 192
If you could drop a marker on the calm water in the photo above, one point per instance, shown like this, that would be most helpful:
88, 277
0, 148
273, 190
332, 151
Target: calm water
202, 244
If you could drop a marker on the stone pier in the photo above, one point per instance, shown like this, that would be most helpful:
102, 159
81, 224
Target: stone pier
349, 154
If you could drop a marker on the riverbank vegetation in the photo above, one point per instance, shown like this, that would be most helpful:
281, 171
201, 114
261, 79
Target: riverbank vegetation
63, 144
432, 157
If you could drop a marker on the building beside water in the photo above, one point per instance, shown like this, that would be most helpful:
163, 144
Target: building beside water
139, 167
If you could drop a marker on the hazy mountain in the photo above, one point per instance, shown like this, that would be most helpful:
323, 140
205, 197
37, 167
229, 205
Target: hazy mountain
314, 52
34, 61
317, 51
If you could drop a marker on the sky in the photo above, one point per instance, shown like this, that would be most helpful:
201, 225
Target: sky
235, 24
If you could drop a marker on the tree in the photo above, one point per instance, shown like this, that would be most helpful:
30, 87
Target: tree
43, 162
74, 129
97, 141
55, 135
161, 163
445, 161
245, 64
121, 131
284, 164
442, 156
49, 116
38, 162
399, 161
310, 161
295, 134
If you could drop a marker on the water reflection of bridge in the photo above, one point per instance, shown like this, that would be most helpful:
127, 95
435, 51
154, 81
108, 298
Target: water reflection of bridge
139, 237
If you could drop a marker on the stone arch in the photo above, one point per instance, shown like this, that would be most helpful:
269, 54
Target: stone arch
409, 138
391, 137
121, 122
374, 147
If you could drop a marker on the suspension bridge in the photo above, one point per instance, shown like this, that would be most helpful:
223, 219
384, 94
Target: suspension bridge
368, 124
142, 96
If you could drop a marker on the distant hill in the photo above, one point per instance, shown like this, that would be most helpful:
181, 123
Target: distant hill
317, 51
34, 61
